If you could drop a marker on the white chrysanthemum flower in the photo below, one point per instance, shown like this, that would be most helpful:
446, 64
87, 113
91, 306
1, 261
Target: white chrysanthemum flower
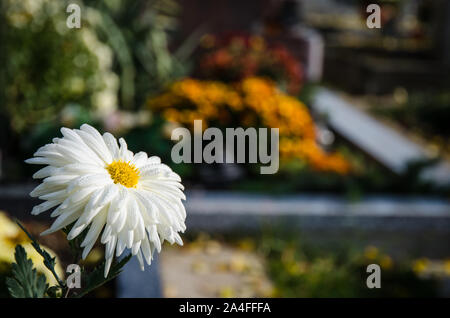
97, 184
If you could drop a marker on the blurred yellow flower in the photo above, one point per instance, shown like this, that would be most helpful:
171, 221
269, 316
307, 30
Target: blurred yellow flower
227, 292
246, 245
386, 262
421, 265
296, 268
447, 267
238, 264
10, 236
371, 253
8, 229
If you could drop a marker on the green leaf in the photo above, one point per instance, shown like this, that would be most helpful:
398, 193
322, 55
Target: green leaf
26, 282
14, 288
54, 292
75, 243
49, 261
96, 278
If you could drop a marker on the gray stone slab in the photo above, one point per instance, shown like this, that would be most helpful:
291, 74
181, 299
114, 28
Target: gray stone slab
134, 283
237, 212
404, 227
235, 203
383, 143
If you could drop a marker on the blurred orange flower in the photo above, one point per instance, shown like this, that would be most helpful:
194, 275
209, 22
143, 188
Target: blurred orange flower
251, 102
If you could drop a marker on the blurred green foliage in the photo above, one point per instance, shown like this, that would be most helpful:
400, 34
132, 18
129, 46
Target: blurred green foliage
427, 112
55, 76
118, 56
304, 270
139, 34
46, 66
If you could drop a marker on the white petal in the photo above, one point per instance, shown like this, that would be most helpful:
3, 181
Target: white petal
103, 149
62, 221
107, 266
145, 247
93, 233
135, 248
140, 259
129, 238
139, 159
45, 172
111, 143
38, 209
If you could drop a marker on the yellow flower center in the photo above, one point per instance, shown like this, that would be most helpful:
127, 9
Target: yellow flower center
124, 173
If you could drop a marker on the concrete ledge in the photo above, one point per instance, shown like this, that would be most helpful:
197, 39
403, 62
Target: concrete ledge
222, 211
404, 225
203, 207
212, 202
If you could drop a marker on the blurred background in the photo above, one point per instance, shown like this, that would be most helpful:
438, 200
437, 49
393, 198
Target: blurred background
364, 119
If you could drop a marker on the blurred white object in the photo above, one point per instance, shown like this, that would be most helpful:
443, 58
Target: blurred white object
324, 136
314, 52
